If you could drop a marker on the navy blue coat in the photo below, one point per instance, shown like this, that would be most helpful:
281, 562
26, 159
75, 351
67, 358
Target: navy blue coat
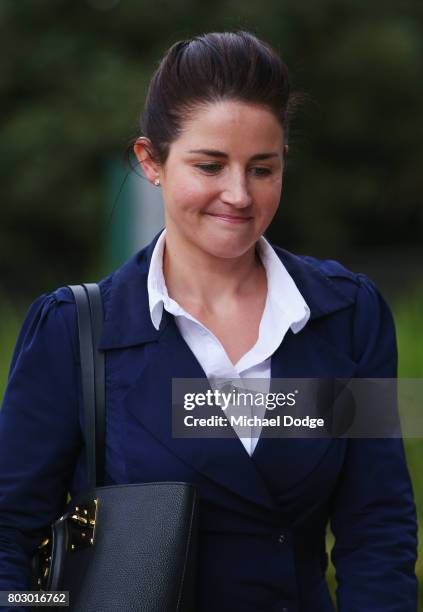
263, 519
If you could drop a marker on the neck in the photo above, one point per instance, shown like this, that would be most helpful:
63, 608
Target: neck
205, 281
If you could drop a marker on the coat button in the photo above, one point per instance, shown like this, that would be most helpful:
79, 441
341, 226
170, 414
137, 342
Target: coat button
284, 610
281, 540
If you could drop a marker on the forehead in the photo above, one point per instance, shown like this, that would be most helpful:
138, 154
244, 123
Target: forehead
231, 124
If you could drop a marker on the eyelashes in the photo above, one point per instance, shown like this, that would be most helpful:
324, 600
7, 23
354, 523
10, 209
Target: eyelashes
259, 171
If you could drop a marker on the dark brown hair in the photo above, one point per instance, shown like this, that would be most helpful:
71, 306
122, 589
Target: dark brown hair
209, 68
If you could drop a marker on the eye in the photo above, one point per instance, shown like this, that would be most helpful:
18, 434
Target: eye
260, 171
209, 168
212, 168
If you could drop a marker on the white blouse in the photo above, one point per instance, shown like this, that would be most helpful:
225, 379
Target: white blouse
285, 308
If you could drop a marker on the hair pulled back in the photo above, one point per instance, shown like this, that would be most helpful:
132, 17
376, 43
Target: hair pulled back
213, 67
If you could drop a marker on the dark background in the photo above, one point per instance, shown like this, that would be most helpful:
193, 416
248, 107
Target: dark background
73, 80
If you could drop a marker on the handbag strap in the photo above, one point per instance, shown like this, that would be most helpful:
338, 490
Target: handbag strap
90, 321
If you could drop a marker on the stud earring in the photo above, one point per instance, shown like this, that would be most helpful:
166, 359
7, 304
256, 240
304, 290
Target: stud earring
157, 182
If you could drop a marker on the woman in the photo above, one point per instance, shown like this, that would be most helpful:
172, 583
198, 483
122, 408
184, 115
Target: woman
210, 297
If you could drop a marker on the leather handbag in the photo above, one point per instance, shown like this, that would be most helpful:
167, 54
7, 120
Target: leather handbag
125, 547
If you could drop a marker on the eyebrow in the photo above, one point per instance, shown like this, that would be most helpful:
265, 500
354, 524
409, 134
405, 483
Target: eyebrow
214, 153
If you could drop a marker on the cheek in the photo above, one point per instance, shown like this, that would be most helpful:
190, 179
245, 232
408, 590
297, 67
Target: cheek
190, 196
267, 198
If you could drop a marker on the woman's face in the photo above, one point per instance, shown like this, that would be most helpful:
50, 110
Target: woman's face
222, 180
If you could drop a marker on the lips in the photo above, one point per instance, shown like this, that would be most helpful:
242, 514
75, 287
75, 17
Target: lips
229, 218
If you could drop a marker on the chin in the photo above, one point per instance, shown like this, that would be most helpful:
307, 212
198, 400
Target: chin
225, 251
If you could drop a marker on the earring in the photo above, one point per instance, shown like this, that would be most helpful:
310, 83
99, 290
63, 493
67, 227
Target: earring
157, 182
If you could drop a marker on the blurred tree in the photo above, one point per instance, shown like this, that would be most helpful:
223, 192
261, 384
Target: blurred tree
74, 76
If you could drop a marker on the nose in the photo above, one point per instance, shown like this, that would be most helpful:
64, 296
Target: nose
236, 190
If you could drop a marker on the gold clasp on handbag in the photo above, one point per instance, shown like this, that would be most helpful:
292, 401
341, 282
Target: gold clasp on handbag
44, 552
80, 524
83, 522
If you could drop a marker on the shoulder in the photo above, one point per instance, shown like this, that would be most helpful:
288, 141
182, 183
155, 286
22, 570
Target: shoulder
51, 319
346, 304
356, 285
324, 278
124, 296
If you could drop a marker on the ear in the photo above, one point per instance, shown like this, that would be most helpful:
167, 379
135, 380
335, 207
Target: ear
143, 150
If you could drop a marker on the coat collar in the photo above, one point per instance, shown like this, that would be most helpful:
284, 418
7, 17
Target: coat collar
127, 315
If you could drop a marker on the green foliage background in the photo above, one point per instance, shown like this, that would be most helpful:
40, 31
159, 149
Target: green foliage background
73, 80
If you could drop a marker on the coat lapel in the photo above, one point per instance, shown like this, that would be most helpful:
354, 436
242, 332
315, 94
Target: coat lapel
223, 460
304, 355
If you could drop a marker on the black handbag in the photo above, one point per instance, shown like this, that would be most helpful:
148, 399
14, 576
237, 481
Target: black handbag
124, 547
